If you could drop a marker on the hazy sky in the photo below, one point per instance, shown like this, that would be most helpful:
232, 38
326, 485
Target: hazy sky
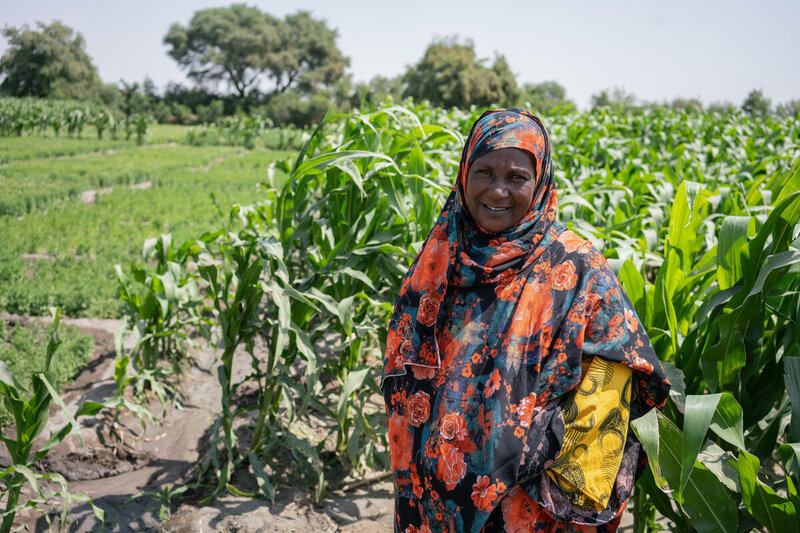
713, 50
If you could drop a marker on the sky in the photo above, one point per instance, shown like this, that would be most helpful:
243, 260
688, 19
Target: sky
712, 50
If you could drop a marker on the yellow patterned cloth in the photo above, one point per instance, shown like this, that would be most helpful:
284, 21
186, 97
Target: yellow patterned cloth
596, 415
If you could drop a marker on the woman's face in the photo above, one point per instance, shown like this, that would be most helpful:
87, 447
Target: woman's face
500, 186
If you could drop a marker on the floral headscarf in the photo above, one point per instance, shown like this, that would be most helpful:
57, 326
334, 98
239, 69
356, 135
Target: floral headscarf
528, 304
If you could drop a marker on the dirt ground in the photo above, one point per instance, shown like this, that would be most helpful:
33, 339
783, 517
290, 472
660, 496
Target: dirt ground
116, 466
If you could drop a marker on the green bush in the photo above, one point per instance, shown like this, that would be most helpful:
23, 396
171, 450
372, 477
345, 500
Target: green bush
291, 108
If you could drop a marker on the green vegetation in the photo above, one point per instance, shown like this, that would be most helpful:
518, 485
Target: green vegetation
29, 406
77, 244
241, 45
20, 116
50, 62
23, 349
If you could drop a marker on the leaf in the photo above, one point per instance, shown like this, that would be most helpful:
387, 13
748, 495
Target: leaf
728, 421
324, 160
262, 478
57, 399
792, 377
732, 249
697, 417
677, 390
646, 429
705, 500
721, 463
776, 513
773, 262
344, 310
350, 168
354, 380
8, 378
360, 276
790, 455
633, 283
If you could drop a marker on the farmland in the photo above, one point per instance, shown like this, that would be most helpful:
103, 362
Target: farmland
294, 279
78, 241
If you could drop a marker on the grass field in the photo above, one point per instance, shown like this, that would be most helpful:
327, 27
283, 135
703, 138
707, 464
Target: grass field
58, 249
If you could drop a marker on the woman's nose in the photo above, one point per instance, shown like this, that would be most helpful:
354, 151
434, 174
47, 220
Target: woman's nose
498, 189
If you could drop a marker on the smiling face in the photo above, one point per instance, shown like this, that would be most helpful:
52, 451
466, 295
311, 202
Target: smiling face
500, 186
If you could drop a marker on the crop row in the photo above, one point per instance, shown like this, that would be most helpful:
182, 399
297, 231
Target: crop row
26, 116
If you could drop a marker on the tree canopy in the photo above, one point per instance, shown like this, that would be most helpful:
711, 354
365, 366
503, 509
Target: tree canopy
50, 62
450, 75
616, 98
545, 96
756, 103
243, 46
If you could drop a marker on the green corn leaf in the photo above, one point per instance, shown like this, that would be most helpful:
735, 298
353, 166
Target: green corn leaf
721, 463
677, 390
705, 499
697, 417
58, 401
646, 429
8, 378
772, 263
728, 421
262, 478
55, 340
354, 380
344, 310
633, 283
792, 375
732, 249
360, 276
776, 513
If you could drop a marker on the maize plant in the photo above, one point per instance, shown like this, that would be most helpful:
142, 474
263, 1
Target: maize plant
31, 411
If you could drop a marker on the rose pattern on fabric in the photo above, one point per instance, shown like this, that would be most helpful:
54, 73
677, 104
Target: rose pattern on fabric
428, 307
419, 408
453, 427
451, 465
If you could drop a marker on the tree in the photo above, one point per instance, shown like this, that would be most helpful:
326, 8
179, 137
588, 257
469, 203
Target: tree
617, 99
377, 90
545, 96
309, 58
690, 105
243, 46
450, 75
788, 109
721, 108
50, 62
756, 104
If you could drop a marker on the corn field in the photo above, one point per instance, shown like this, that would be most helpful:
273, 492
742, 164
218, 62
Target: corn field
698, 213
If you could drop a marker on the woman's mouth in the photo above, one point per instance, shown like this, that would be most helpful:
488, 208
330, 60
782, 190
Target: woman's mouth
497, 209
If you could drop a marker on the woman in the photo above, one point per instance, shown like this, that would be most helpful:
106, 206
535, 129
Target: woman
514, 360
